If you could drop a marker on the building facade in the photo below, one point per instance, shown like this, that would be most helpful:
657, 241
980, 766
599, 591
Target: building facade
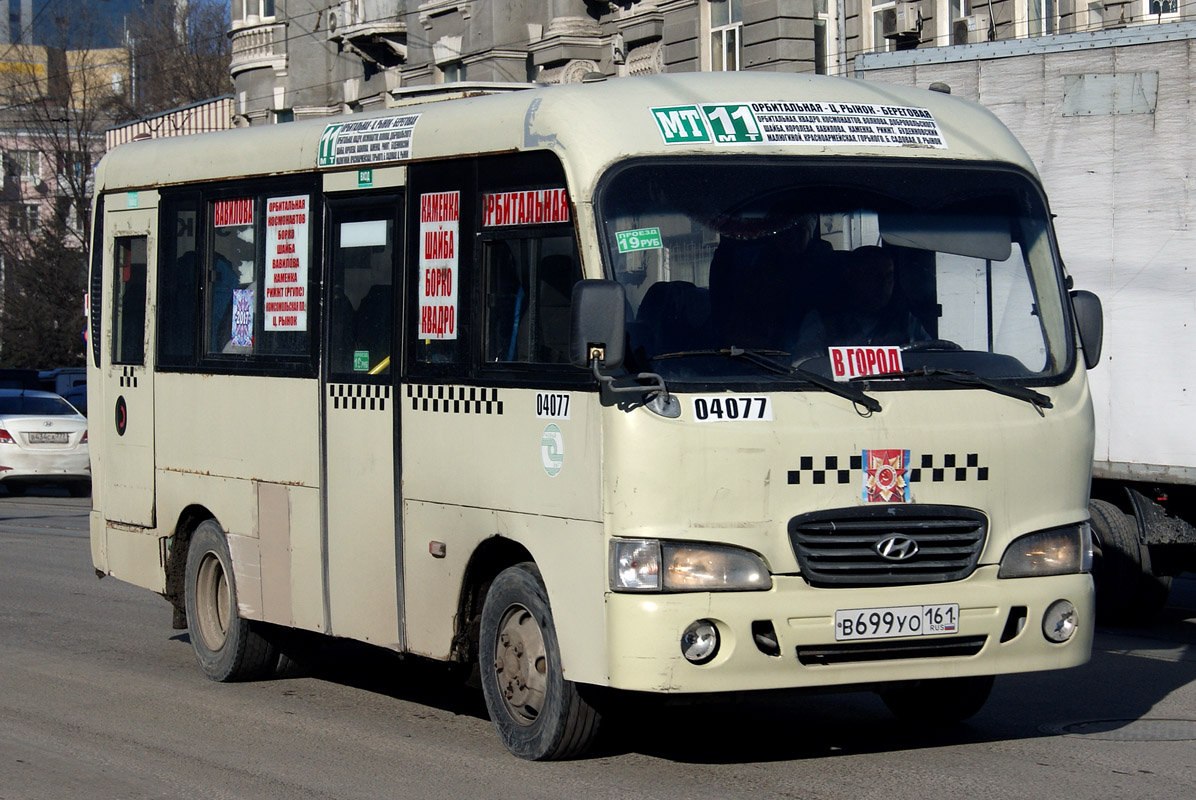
298, 58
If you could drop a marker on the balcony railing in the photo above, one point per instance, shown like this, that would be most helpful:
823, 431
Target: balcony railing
258, 47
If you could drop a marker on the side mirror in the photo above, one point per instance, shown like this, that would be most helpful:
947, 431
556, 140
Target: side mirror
1090, 321
596, 324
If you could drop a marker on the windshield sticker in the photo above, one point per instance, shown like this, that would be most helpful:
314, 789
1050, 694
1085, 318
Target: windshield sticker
533, 207
439, 228
229, 213
723, 408
860, 362
286, 263
368, 141
641, 239
885, 476
552, 450
818, 123
242, 318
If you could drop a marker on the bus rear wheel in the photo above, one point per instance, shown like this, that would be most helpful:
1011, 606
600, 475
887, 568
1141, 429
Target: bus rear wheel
227, 647
538, 714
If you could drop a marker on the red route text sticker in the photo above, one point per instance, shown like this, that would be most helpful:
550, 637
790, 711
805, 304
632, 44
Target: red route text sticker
858, 362
439, 229
531, 207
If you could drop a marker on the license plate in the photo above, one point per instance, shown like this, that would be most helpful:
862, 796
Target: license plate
896, 622
49, 438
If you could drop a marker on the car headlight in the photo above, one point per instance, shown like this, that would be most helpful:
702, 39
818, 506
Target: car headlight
1058, 551
650, 565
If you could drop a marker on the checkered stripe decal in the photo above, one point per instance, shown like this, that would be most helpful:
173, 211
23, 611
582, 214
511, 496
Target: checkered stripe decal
358, 397
930, 469
454, 399
128, 377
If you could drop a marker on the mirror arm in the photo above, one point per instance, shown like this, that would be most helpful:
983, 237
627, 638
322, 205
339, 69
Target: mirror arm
656, 385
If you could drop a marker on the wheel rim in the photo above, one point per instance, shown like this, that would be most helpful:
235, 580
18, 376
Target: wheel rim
213, 601
521, 665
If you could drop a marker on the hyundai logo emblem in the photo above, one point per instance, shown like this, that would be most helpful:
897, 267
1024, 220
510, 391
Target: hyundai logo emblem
897, 548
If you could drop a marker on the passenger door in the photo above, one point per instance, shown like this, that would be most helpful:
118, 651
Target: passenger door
122, 426
361, 531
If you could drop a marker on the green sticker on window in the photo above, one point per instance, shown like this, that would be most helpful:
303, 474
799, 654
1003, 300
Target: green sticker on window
361, 360
365, 178
642, 239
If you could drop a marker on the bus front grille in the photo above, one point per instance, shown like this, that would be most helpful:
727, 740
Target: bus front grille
888, 545
856, 652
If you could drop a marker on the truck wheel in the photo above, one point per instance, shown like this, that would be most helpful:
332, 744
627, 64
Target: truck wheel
938, 702
538, 714
1126, 592
227, 647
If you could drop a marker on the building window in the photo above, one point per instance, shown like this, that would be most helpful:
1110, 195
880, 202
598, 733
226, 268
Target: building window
1162, 8
247, 9
22, 218
1040, 17
879, 43
960, 8
820, 37
451, 72
24, 165
726, 34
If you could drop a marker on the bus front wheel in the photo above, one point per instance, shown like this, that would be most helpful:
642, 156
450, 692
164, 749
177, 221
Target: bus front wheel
227, 647
538, 714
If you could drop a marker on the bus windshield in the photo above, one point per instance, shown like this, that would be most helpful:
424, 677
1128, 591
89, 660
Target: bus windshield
790, 260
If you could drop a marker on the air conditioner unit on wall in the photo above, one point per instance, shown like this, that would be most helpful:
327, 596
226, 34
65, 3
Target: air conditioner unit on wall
903, 19
970, 30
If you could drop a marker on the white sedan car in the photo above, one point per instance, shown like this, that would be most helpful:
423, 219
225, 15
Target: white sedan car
43, 439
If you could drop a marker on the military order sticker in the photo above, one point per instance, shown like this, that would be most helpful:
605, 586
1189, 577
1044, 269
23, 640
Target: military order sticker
886, 476
552, 450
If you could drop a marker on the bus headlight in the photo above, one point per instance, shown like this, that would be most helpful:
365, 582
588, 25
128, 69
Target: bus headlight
648, 565
1058, 551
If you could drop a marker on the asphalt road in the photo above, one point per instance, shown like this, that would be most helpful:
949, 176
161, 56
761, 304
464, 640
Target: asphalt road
100, 698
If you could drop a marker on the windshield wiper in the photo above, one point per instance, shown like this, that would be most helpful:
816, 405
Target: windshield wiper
967, 378
761, 359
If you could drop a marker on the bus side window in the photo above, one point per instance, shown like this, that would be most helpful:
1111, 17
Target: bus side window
128, 319
178, 279
231, 280
529, 286
361, 307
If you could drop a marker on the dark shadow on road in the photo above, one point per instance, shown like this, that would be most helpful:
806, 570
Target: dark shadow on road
1131, 670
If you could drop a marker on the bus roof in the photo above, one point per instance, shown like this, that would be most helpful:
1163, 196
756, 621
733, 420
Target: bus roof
590, 125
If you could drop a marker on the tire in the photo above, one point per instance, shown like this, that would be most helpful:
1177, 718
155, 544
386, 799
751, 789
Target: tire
226, 647
1126, 592
939, 702
538, 714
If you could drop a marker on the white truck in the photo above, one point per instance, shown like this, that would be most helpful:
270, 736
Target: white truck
1107, 118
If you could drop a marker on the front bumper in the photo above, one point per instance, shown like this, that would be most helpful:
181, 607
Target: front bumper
644, 633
